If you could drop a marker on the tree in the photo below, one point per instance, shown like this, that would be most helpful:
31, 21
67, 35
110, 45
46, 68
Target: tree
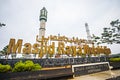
96, 39
109, 35
2, 24
116, 30
4, 51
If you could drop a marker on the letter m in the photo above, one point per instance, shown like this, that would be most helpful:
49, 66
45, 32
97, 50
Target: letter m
13, 48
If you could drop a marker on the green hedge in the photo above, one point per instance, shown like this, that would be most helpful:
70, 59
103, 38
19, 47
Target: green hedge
114, 59
26, 66
21, 67
5, 68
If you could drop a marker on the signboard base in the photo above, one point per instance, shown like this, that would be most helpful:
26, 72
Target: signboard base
84, 69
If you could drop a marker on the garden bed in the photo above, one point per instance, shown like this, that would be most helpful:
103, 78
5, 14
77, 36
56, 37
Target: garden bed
41, 74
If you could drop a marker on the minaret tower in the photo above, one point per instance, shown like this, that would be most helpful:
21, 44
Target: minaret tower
88, 32
43, 20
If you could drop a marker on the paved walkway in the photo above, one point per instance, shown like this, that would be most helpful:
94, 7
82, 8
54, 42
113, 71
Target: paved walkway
99, 76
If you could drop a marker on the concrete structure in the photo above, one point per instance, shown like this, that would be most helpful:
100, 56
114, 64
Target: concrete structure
43, 20
100, 75
88, 32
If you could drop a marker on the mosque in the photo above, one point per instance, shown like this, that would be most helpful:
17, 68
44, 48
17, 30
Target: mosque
53, 45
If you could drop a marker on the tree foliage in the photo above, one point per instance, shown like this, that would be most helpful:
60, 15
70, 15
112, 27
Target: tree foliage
4, 51
2, 24
109, 35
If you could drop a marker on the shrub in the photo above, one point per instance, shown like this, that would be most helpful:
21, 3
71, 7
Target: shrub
26, 66
37, 66
115, 59
5, 68
29, 65
19, 67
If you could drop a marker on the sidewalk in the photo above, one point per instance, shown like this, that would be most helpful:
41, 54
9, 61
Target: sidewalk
99, 76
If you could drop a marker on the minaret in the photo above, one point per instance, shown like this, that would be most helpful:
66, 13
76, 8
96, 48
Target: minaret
88, 32
43, 20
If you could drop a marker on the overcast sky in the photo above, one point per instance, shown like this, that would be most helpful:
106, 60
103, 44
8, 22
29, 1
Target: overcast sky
65, 17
